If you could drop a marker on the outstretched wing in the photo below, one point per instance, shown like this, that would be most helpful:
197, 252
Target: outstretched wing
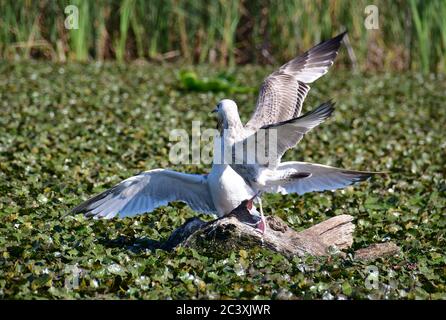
147, 191
291, 132
314, 177
272, 141
283, 92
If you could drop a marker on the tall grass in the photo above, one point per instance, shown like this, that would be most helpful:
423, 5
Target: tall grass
126, 13
80, 38
412, 33
429, 21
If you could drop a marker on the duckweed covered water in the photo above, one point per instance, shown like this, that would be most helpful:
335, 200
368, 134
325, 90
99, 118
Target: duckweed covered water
70, 131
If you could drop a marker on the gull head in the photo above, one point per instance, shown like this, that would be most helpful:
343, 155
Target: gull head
247, 213
227, 115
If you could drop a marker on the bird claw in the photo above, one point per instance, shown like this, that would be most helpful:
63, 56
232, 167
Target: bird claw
261, 227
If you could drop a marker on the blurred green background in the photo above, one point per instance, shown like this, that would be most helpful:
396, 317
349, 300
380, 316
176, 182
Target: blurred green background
411, 34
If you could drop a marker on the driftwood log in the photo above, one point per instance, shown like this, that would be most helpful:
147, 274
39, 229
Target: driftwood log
228, 233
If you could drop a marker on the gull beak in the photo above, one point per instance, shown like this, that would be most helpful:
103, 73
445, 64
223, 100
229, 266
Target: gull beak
249, 203
215, 110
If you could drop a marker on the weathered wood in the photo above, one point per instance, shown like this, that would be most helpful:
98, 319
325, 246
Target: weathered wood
377, 250
228, 233
183, 232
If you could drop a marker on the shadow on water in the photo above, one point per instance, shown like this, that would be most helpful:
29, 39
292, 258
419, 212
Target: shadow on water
135, 245
139, 244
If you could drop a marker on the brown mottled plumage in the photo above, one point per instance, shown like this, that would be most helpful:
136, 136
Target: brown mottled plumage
283, 92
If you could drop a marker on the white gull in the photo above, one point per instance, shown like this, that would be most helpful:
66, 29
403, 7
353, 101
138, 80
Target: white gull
224, 189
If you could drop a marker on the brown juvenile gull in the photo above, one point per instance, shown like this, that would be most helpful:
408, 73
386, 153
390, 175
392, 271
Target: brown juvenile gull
277, 114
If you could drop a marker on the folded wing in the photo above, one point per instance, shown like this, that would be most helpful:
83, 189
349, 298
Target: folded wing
147, 191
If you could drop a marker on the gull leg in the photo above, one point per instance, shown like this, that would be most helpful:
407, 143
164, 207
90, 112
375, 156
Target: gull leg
262, 225
261, 214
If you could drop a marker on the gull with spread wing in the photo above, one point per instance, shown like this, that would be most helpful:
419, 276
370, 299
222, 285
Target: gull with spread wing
277, 114
228, 185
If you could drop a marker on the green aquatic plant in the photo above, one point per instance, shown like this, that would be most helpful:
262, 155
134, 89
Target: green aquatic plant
225, 82
68, 131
